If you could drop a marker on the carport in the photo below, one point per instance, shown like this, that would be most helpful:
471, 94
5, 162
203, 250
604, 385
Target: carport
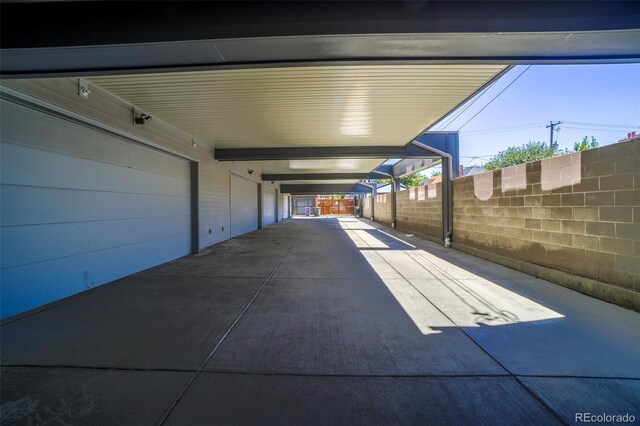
157, 170
150, 271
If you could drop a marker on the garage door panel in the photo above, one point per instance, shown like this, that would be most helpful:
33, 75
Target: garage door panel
36, 205
36, 167
70, 239
70, 222
30, 286
39, 130
244, 205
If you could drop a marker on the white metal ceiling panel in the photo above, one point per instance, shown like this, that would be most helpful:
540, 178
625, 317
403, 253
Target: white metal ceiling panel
342, 165
344, 105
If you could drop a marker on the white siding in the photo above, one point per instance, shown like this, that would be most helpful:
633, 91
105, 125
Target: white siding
244, 205
81, 208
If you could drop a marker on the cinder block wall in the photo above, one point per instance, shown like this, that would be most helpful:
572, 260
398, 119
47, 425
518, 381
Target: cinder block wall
382, 209
419, 210
366, 207
578, 214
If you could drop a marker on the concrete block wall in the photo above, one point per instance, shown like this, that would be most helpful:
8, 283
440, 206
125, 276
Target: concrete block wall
382, 208
419, 210
578, 214
366, 207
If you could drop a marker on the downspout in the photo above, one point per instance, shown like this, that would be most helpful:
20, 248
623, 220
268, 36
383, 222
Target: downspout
448, 204
392, 185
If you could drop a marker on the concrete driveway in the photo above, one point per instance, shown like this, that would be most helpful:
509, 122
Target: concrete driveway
318, 321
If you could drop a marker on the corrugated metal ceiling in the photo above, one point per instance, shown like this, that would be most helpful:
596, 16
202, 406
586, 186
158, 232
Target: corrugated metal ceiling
342, 165
346, 105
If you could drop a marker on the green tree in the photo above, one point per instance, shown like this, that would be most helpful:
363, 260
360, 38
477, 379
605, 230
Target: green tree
412, 180
409, 181
511, 156
585, 144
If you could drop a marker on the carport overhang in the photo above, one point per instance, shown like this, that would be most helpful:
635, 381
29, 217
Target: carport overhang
74, 38
437, 140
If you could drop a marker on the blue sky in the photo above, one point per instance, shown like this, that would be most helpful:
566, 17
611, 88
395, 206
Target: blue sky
594, 94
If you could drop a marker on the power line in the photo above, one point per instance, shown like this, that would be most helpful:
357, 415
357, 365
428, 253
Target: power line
495, 97
476, 156
469, 163
478, 96
593, 129
506, 127
623, 126
514, 129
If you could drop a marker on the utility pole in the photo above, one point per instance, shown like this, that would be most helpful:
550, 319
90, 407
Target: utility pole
551, 127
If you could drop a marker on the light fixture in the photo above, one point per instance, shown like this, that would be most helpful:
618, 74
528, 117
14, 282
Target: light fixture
250, 171
142, 118
194, 143
83, 88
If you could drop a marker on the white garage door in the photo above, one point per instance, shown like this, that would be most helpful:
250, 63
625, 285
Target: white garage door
268, 205
244, 205
81, 208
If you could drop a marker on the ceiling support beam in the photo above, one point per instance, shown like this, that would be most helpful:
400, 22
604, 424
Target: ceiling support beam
316, 153
45, 24
447, 142
318, 176
383, 170
324, 188
41, 38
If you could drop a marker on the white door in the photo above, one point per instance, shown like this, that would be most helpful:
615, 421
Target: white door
244, 205
81, 208
268, 205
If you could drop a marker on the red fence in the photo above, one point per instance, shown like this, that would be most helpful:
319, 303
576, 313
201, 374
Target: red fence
336, 206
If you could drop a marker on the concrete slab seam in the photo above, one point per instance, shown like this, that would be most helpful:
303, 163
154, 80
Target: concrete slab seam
289, 374
164, 418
